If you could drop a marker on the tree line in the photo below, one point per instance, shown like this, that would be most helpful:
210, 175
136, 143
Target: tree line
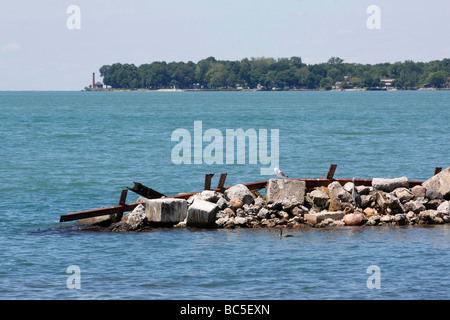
268, 73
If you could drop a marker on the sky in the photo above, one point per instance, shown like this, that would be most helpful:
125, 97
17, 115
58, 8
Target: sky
45, 46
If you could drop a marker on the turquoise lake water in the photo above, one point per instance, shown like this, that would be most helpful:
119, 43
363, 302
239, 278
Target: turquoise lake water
71, 151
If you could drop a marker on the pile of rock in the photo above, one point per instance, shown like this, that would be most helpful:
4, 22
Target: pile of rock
286, 203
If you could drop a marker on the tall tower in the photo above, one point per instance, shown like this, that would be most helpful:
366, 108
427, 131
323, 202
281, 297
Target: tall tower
93, 80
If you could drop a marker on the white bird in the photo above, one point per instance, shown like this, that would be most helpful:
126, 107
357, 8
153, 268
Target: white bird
279, 173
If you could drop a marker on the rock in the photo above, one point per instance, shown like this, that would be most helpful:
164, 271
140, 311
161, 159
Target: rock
414, 205
291, 191
240, 221
386, 218
429, 217
373, 220
314, 218
221, 222
201, 214
348, 187
298, 212
363, 190
241, 192
335, 205
389, 185
229, 212
319, 197
222, 203
411, 216
354, 219
366, 200
237, 203
419, 191
165, 210
433, 194
440, 182
369, 212
403, 194
259, 203
263, 213
137, 218
338, 192
434, 204
401, 219
444, 208
206, 195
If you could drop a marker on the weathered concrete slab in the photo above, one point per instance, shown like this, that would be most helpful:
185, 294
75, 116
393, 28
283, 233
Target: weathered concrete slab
314, 218
285, 191
389, 185
440, 182
165, 210
201, 214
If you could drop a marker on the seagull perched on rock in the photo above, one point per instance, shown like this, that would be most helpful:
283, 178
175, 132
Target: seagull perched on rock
279, 173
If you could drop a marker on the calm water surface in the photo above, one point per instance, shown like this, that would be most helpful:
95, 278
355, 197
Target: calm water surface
69, 151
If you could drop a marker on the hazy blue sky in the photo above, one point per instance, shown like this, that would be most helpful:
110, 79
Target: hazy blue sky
39, 52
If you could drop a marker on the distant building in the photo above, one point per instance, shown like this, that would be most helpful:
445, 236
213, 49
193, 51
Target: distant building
98, 85
387, 82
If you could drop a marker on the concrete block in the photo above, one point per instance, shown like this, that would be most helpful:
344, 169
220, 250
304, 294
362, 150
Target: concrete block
285, 191
165, 210
201, 214
314, 218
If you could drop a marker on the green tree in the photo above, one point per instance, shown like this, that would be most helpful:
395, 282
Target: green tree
437, 79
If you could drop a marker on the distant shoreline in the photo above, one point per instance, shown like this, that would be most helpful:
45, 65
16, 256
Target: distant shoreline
255, 90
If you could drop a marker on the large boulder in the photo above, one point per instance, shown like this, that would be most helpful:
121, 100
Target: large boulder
354, 219
285, 191
201, 214
444, 208
137, 218
241, 192
440, 182
389, 185
165, 210
206, 195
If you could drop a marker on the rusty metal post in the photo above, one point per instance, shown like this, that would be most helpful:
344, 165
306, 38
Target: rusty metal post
223, 176
331, 171
208, 178
122, 201
437, 170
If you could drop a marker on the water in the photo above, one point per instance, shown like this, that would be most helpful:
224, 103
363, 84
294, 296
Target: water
69, 151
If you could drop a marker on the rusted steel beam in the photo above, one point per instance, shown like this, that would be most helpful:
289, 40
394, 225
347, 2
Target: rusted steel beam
437, 170
98, 212
146, 192
331, 171
208, 178
221, 183
122, 201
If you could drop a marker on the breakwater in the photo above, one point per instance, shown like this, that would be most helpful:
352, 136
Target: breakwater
288, 203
